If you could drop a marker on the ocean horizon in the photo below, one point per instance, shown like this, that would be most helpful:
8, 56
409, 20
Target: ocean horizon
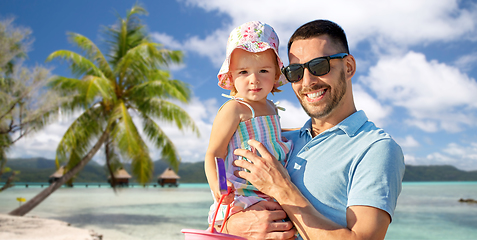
425, 210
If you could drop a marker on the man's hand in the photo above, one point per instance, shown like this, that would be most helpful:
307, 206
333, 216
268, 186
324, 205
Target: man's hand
266, 173
263, 220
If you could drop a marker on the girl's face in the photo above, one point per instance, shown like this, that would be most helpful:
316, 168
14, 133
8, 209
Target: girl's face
253, 74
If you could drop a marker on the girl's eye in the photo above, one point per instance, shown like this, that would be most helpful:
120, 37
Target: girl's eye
243, 72
263, 71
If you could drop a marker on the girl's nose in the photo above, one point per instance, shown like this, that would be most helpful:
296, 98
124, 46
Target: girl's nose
253, 79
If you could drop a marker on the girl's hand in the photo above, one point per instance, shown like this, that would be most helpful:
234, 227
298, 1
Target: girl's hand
231, 196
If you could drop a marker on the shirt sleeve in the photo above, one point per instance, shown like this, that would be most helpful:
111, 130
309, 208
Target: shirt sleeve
376, 177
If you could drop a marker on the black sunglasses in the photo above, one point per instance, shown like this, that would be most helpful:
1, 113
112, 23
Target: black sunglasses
318, 67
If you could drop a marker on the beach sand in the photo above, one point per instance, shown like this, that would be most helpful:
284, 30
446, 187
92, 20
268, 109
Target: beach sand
23, 228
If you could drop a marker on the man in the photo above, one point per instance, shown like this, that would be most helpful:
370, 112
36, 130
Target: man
344, 174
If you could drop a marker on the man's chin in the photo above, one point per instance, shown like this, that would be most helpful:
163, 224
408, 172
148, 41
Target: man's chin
314, 112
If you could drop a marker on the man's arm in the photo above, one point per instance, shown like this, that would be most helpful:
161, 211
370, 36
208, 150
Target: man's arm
262, 220
270, 177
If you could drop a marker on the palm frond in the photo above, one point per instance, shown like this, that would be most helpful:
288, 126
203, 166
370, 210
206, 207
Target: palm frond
79, 65
147, 56
130, 143
126, 35
98, 87
74, 159
77, 138
92, 52
142, 168
159, 85
76, 92
137, 9
161, 141
63, 85
113, 158
167, 111
125, 132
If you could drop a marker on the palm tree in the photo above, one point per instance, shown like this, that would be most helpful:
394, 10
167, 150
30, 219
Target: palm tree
110, 93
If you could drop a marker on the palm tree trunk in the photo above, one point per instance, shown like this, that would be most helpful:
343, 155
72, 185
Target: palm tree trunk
8, 183
112, 179
32, 203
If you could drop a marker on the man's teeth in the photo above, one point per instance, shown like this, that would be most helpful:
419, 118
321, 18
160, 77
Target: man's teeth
315, 94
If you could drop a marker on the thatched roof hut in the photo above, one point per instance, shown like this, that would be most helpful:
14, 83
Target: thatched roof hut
121, 176
168, 177
56, 175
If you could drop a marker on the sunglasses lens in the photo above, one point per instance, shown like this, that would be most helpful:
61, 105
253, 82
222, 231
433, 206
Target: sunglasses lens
319, 67
294, 73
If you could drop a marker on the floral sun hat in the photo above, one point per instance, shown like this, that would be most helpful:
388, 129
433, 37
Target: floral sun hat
253, 37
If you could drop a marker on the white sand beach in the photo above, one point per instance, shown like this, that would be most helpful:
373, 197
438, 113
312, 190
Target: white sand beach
23, 228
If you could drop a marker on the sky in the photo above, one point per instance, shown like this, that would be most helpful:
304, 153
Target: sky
416, 64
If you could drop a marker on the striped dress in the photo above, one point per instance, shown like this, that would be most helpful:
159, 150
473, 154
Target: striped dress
265, 129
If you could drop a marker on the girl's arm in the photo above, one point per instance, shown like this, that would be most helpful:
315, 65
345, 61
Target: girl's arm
223, 128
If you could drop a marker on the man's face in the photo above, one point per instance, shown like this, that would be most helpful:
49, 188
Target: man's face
319, 96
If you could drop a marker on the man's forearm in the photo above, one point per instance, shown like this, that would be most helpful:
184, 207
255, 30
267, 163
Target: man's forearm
364, 222
263, 220
310, 223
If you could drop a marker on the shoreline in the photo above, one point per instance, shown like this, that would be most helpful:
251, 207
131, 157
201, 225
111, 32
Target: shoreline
31, 227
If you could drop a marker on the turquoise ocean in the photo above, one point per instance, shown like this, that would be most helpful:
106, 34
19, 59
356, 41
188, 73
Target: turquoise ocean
426, 210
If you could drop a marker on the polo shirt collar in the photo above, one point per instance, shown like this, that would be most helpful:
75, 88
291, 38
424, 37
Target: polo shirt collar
306, 129
350, 125
353, 123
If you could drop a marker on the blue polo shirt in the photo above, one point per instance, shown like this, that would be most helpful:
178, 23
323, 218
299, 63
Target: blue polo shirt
352, 163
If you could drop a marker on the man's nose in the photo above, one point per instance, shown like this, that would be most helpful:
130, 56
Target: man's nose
308, 78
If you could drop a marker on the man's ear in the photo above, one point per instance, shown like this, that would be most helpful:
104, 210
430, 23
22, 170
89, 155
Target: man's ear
350, 64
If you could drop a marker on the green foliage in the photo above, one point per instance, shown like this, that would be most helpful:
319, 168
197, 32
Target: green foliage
25, 107
438, 173
110, 89
40, 169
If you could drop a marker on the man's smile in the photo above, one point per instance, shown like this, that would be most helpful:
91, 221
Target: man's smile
315, 95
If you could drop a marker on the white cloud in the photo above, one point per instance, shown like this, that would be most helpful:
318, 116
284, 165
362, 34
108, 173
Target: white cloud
293, 117
466, 62
425, 125
213, 46
462, 152
383, 23
410, 160
408, 142
375, 111
462, 156
433, 93
206, 47
167, 40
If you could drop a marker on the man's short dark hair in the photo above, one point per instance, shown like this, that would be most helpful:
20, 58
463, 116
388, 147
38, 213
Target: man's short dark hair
321, 27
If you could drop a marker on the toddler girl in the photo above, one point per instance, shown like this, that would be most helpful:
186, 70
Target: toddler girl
251, 71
